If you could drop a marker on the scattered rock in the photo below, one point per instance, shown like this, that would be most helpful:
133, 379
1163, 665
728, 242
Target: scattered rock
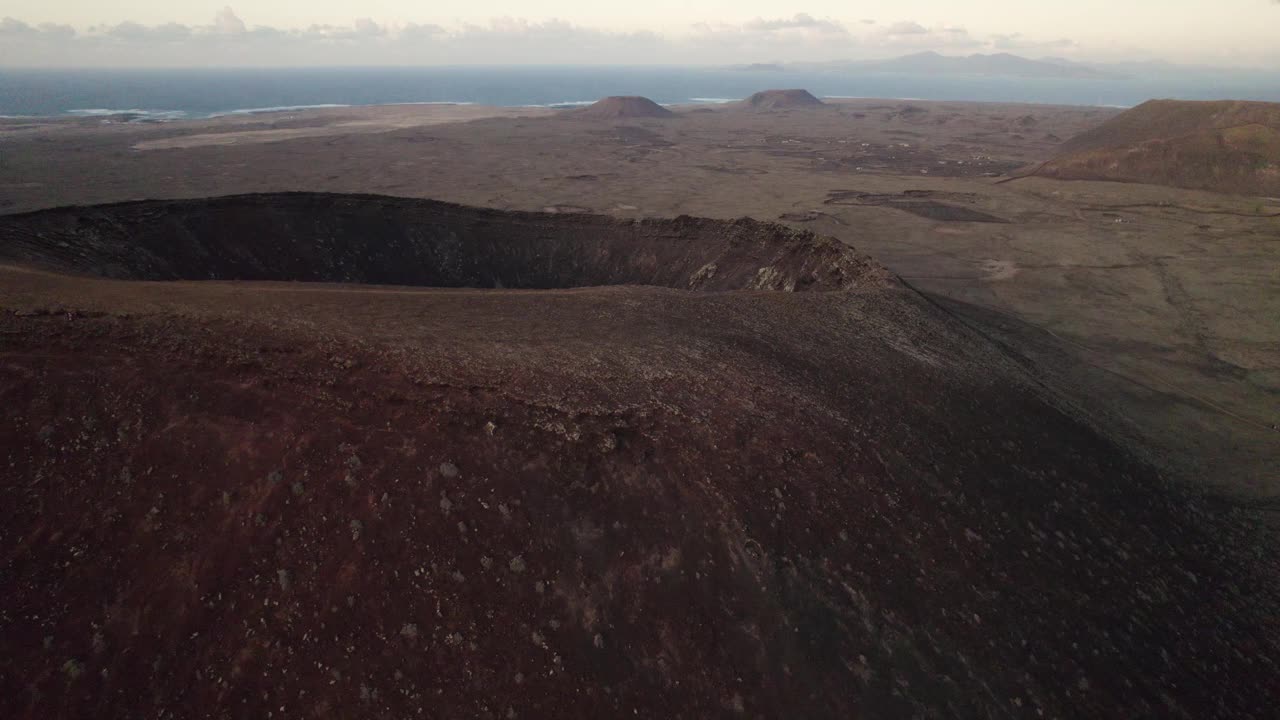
608, 443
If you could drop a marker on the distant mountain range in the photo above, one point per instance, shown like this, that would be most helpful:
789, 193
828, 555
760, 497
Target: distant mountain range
932, 63
1010, 65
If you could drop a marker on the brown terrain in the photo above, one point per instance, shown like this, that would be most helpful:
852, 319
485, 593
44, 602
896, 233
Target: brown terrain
615, 108
1226, 146
544, 445
782, 100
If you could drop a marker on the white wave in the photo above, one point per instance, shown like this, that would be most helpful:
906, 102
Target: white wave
565, 104
875, 97
137, 114
713, 101
102, 111
275, 108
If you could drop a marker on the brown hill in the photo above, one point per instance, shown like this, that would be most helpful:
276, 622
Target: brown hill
1225, 146
619, 107
681, 492
782, 100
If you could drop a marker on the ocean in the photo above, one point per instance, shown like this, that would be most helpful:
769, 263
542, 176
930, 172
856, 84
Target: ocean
195, 93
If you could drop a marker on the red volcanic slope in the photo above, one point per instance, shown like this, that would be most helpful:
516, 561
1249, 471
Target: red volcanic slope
709, 498
782, 100
624, 107
1225, 146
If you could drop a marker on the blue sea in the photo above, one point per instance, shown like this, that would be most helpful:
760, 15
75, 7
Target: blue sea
195, 93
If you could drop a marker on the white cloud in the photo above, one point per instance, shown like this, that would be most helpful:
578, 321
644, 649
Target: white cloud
912, 37
133, 32
907, 27
415, 32
55, 30
228, 40
365, 27
13, 26
227, 22
798, 37
801, 21
1018, 42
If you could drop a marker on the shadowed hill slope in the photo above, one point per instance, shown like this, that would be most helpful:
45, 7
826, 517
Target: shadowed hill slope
228, 498
383, 240
782, 100
1225, 146
620, 107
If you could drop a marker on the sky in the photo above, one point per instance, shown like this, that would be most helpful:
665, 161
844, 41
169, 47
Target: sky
177, 33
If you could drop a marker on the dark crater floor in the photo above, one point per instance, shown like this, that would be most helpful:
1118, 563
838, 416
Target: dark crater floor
384, 240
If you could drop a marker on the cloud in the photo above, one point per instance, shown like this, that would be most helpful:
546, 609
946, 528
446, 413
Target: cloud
801, 21
911, 37
414, 32
907, 28
56, 30
365, 27
1016, 41
13, 26
800, 36
227, 40
134, 32
228, 23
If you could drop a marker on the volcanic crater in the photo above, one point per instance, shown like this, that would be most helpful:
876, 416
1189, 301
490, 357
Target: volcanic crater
384, 240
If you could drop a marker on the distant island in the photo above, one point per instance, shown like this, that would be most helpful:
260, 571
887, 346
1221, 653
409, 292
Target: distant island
1005, 64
